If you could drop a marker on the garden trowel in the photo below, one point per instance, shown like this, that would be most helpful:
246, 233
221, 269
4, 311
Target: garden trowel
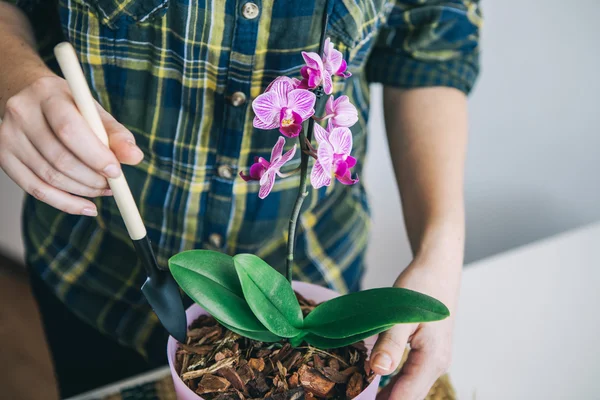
160, 288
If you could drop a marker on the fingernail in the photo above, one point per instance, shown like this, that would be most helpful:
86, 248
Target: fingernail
90, 212
382, 361
107, 192
132, 144
112, 171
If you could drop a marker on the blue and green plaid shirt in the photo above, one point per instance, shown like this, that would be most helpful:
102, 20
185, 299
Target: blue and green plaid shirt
181, 76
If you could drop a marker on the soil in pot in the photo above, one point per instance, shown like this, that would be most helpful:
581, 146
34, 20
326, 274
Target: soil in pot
219, 364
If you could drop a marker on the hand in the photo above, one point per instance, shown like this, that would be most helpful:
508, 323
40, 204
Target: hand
430, 343
48, 149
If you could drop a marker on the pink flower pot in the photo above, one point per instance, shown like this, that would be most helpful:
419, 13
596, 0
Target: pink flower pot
310, 291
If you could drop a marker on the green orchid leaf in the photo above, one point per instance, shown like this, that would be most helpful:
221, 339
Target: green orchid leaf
261, 336
297, 340
324, 343
209, 278
369, 310
269, 295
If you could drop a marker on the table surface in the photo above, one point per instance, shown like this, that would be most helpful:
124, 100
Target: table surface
528, 322
526, 326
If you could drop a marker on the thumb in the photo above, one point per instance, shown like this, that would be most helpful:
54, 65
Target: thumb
389, 349
122, 141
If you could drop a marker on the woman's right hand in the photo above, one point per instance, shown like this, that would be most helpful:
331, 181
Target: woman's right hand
47, 148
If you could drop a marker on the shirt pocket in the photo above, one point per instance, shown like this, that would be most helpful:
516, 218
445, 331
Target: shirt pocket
118, 13
353, 27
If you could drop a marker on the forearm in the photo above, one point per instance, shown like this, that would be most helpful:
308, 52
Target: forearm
21, 65
427, 134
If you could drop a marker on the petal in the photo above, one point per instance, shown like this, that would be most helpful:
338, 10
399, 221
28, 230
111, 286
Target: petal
297, 117
321, 135
303, 84
272, 83
247, 178
341, 101
341, 71
266, 107
281, 88
312, 60
263, 162
327, 83
347, 178
256, 171
291, 131
277, 149
294, 129
341, 168
302, 102
258, 124
341, 141
285, 158
329, 106
351, 161
325, 155
330, 125
334, 61
295, 82
266, 183
319, 177
345, 121
327, 47
304, 72
314, 79
345, 112
292, 81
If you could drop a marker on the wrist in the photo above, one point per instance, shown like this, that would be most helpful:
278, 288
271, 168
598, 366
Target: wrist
442, 243
437, 264
434, 278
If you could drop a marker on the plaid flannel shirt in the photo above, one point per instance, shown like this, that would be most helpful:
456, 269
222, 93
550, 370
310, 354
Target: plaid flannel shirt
181, 76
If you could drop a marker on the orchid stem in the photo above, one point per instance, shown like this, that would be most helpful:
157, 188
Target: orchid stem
302, 193
304, 140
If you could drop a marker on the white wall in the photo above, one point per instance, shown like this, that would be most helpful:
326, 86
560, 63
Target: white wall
534, 153
533, 167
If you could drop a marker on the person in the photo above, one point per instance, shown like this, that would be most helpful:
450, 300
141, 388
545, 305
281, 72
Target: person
174, 81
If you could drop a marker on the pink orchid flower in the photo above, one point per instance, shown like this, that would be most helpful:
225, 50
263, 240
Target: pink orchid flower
341, 111
318, 71
334, 159
264, 171
283, 106
314, 73
334, 62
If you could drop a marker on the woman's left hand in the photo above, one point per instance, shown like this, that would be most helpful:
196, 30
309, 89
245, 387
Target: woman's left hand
430, 343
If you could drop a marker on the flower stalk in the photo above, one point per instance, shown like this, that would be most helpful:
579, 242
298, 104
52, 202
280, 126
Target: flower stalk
302, 193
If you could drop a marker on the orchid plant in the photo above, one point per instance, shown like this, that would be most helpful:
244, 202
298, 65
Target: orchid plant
243, 292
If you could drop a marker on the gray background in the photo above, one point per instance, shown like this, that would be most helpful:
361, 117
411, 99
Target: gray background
534, 151
534, 147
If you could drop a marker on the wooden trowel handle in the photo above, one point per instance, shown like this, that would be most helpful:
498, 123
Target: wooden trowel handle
71, 69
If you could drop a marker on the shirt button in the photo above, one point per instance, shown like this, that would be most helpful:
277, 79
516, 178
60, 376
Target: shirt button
237, 99
250, 10
215, 240
225, 172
